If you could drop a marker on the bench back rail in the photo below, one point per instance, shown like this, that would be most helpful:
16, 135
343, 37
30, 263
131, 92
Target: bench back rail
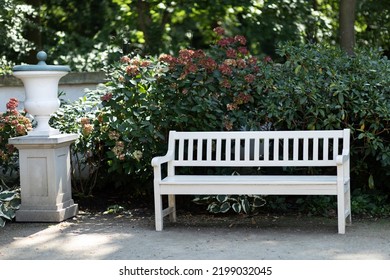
260, 148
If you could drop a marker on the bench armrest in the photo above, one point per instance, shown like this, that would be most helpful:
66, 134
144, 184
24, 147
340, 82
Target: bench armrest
157, 161
341, 159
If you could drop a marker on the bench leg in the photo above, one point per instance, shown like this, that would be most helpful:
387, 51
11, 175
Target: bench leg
172, 205
341, 209
344, 214
348, 204
158, 211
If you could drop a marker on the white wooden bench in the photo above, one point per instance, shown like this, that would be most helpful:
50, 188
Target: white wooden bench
326, 148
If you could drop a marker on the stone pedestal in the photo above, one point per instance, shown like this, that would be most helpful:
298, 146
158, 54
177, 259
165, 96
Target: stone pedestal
45, 178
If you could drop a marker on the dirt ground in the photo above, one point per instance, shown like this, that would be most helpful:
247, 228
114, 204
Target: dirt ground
131, 235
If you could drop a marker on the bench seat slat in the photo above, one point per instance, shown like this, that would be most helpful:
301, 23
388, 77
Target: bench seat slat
267, 185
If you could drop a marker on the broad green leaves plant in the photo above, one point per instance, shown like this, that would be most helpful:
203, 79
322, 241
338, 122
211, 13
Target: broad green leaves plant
9, 203
247, 204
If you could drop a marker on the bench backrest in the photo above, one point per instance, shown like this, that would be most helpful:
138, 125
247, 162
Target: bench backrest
258, 148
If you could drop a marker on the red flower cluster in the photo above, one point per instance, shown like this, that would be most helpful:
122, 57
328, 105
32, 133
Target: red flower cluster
106, 97
12, 124
219, 30
225, 69
12, 104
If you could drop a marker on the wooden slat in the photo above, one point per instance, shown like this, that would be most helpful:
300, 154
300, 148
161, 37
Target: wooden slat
228, 149
335, 147
315, 148
218, 147
200, 149
305, 149
276, 149
237, 149
209, 149
181, 149
247, 149
266, 149
285, 149
190, 149
256, 150
296, 150
325, 149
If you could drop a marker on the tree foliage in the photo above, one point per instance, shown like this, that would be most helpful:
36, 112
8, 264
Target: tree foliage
93, 33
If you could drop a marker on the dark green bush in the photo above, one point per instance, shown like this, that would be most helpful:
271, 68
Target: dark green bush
320, 87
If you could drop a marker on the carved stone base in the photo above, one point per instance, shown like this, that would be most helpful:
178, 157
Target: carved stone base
45, 178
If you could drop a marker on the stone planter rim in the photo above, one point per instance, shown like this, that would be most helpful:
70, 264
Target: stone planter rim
41, 66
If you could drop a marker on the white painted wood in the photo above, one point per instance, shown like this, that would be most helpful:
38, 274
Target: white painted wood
255, 149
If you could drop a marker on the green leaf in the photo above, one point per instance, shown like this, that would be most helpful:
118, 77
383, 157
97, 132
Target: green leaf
371, 183
341, 98
245, 205
225, 207
297, 69
236, 207
214, 208
258, 202
222, 198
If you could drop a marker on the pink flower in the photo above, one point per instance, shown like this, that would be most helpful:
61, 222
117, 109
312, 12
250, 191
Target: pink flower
219, 30
225, 69
225, 42
20, 129
87, 129
199, 54
125, 59
84, 120
186, 55
228, 125
231, 53
249, 78
132, 70
226, 83
231, 107
145, 63
241, 63
167, 59
191, 68
267, 59
241, 39
208, 63
12, 104
243, 50
252, 60
106, 97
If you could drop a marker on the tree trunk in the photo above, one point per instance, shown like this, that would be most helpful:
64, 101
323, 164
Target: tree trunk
33, 33
347, 21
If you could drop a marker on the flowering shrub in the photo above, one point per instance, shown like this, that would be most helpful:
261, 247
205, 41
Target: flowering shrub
147, 97
144, 98
13, 123
87, 153
218, 90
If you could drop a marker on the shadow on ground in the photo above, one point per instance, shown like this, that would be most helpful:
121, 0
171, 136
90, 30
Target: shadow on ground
132, 236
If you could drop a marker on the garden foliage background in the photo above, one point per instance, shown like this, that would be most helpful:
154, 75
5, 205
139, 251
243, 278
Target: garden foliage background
235, 66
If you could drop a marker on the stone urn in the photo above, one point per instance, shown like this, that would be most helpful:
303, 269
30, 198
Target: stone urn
44, 154
41, 86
